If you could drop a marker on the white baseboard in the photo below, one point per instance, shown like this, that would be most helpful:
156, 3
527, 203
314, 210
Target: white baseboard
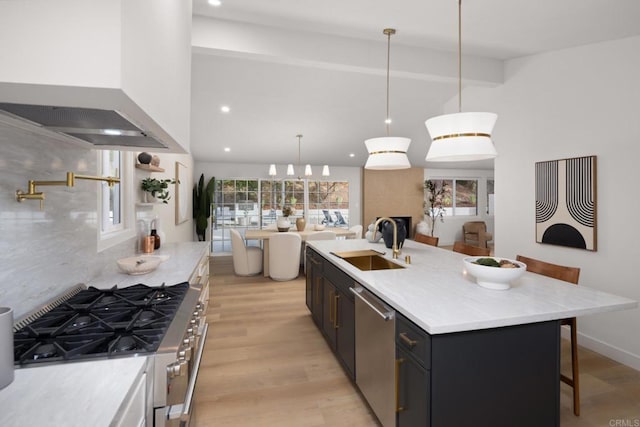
619, 355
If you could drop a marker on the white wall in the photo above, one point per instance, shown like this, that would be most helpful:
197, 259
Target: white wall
247, 170
173, 232
450, 230
569, 103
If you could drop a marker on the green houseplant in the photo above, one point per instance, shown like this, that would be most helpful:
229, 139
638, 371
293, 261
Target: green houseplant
202, 199
157, 188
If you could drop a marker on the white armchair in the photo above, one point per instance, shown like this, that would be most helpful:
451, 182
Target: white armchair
284, 256
247, 260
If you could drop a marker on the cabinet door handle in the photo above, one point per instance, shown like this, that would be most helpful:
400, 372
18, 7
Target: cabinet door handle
408, 341
314, 261
331, 308
399, 362
336, 299
318, 281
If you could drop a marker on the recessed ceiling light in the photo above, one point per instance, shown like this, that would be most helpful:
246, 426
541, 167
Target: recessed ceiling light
225, 109
351, 155
215, 3
227, 149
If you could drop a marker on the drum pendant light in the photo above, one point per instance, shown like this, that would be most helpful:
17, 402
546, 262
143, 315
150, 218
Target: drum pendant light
461, 136
386, 153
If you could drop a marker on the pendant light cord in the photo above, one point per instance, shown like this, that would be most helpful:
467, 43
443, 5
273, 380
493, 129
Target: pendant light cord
299, 136
388, 32
460, 56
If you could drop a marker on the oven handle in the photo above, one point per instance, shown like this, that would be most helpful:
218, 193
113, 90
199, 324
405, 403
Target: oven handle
183, 410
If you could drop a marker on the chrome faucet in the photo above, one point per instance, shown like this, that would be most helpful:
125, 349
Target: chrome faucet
394, 248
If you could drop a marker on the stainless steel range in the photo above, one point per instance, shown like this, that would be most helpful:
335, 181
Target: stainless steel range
165, 323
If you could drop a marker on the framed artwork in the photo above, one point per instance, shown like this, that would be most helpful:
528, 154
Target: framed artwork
566, 202
182, 197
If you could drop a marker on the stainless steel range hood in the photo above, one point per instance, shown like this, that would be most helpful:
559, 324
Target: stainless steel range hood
104, 128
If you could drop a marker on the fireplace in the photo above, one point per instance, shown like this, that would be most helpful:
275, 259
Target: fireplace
407, 224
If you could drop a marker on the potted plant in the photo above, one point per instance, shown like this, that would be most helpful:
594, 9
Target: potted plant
433, 205
156, 189
202, 199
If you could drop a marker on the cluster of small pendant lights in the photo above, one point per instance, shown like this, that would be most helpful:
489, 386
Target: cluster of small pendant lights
455, 137
290, 169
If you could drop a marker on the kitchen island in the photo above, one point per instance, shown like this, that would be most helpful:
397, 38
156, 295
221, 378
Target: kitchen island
465, 355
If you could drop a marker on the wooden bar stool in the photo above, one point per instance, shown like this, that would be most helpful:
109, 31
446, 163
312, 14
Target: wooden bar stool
463, 248
571, 275
429, 240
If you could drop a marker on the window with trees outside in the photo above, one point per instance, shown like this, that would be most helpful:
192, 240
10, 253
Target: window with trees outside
257, 203
461, 197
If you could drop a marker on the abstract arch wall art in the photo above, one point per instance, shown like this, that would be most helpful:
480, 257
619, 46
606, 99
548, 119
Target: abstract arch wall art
566, 202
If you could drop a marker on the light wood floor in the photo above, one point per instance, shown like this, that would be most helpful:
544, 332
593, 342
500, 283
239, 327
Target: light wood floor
266, 364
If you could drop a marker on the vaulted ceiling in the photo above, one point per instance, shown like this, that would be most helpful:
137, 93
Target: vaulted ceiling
288, 67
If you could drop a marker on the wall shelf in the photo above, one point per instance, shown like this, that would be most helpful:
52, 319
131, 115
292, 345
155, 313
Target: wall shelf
149, 168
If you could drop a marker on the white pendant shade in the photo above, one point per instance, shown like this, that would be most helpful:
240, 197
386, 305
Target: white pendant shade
272, 170
290, 171
461, 137
307, 170
388, 152
325, 170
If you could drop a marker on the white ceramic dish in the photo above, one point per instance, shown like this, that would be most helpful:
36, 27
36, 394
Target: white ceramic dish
494, 277
141, 264
318, 227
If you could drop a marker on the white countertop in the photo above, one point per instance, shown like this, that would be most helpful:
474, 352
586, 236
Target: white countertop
89, 393
69, 394
435, 294
182, 261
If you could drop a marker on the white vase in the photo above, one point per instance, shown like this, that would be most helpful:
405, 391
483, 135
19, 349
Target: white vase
148, 198
283, 223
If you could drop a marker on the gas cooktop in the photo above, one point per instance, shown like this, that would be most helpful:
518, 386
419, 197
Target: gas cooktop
98, 323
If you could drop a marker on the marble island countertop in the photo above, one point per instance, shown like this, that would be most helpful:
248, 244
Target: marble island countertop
436, 294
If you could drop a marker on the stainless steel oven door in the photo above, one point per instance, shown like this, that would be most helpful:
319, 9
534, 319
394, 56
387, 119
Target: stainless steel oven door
181, 414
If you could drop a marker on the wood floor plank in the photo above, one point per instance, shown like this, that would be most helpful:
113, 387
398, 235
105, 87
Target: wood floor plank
266, 364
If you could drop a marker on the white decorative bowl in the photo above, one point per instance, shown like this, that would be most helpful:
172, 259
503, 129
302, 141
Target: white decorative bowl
494, 277
318, 227
141, 264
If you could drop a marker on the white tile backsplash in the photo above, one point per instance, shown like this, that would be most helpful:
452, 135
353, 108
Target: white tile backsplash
44, 253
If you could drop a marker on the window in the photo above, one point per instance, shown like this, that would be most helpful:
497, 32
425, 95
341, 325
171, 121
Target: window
329, 203
111, 195
257, 203
490, 196
115, 203
461, 197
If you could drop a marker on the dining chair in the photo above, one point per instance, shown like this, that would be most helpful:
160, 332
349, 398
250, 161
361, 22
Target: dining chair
429, 240
463, 248
247, 260
571, 275
284, 256
357, 231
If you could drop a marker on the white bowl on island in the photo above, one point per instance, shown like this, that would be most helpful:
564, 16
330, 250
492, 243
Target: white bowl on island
498, 278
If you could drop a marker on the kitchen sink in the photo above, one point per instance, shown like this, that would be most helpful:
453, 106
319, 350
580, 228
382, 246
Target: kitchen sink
367, 260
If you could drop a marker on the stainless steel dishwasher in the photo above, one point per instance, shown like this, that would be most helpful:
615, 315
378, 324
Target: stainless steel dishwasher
375, 354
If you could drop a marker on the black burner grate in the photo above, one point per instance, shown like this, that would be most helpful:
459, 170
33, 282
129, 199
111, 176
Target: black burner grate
98, 323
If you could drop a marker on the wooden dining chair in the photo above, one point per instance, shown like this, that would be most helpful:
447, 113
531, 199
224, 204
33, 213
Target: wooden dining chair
463, 248
429, 240
571, 275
